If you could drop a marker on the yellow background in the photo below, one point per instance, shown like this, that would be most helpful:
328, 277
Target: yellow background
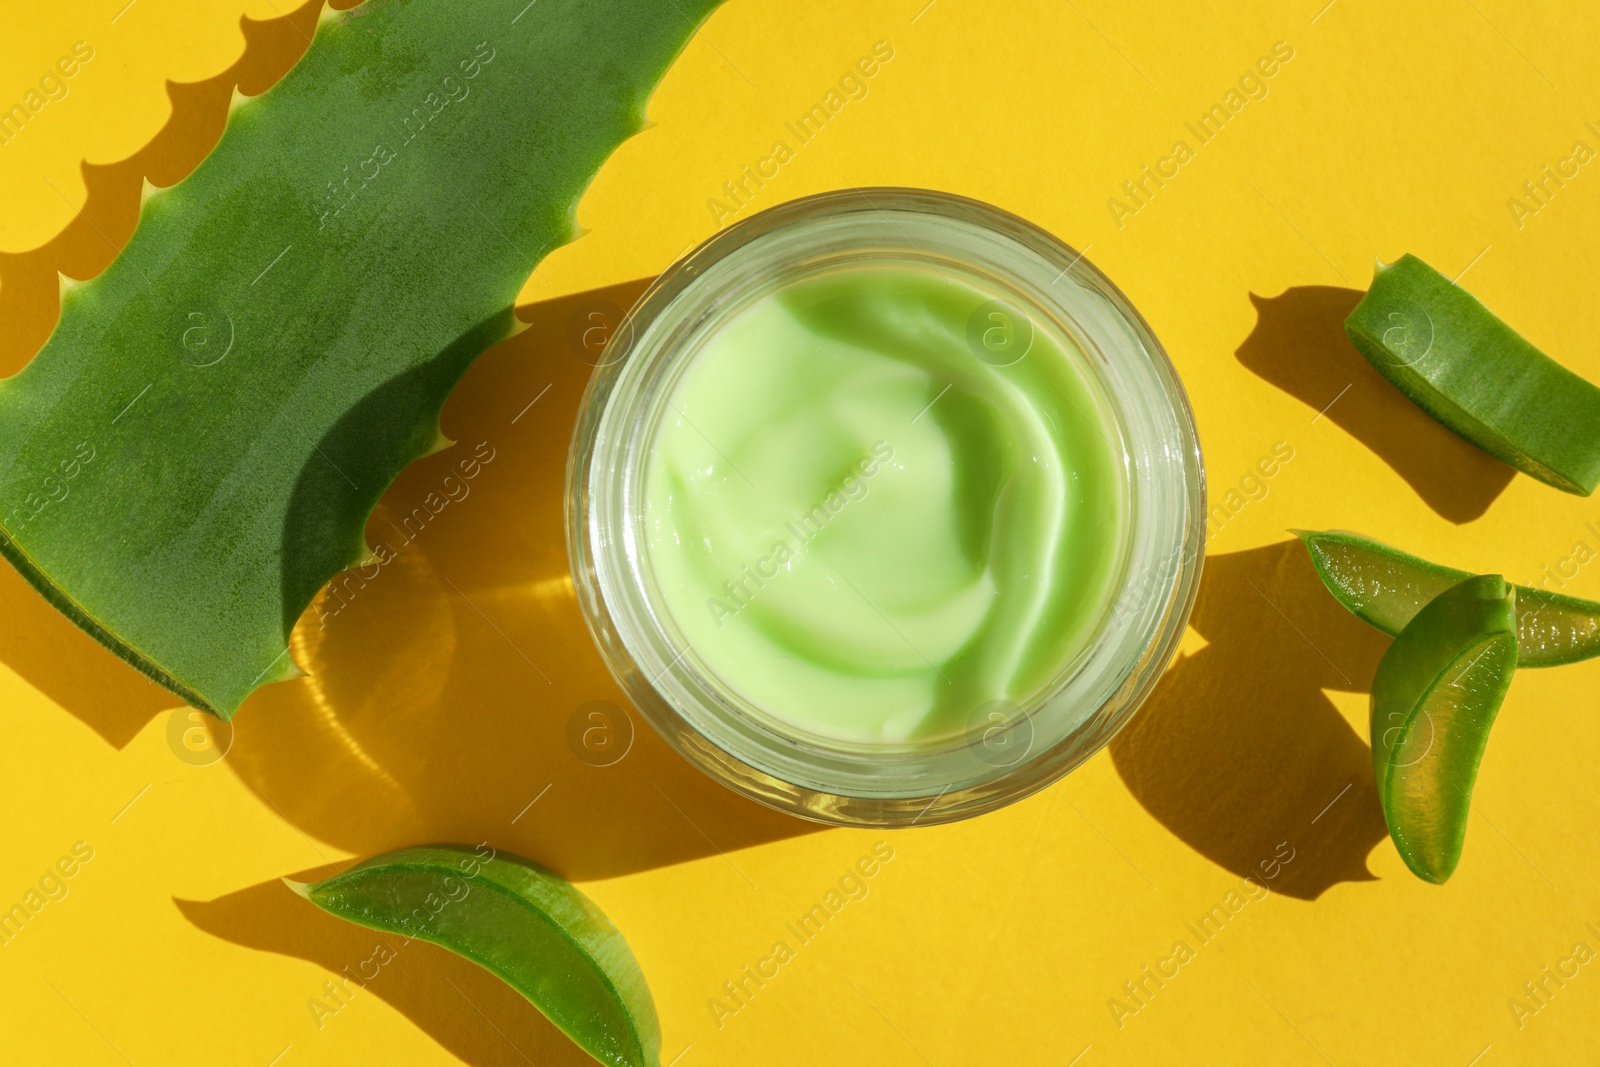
1394, 128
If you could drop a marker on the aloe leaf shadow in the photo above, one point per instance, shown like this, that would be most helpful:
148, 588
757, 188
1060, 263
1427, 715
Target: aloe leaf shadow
1299, 345
1240, 749
463, 1007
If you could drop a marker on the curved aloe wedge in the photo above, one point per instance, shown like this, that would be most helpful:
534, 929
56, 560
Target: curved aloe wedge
1434, 698
536, 932
1454, 359
1387, 587
196, 449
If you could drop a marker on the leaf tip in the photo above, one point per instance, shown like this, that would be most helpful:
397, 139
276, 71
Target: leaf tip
66, 285
1432, 866
300, 888
237, 101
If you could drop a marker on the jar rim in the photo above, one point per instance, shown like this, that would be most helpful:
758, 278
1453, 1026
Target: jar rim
877, 786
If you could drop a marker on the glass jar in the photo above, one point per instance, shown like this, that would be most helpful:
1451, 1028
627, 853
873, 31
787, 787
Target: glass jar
1010, 749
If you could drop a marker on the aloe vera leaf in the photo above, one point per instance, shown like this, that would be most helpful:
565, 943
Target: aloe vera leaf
1434, 698
526, 926
1455, 360
195, 450
1387, 587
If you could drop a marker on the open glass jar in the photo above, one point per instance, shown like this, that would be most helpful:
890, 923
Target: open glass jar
975, 293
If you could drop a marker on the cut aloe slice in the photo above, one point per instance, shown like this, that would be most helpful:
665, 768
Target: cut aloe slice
1434, 698
1387, 587
544, 938
1458, 362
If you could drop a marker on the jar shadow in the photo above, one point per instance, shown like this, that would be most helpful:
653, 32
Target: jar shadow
1239, 751
1299, 345
454, 692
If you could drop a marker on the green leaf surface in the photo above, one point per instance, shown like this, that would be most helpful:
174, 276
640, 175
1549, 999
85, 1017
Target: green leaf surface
1454, 359
1387, 587
1434, 698
533, 930
196, 449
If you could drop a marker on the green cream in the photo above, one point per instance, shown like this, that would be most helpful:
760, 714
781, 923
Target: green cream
866, 530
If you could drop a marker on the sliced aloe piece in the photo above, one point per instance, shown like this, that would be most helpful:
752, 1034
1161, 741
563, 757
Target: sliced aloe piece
536, 932
1434, 698
1387, 587
1478, 376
